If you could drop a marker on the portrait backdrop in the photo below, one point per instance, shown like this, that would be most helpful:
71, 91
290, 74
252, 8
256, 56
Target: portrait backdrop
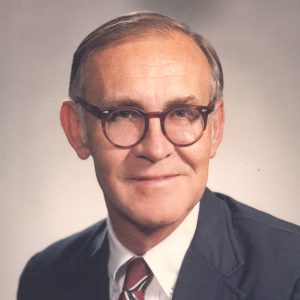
47, 193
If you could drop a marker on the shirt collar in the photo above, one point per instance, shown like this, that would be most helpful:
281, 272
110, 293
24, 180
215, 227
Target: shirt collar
164, 259
118, 254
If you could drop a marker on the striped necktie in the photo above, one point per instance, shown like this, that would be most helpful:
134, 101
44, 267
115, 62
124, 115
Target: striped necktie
138, 276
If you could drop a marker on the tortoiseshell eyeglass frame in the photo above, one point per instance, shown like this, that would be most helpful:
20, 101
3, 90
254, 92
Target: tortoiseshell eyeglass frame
103, 113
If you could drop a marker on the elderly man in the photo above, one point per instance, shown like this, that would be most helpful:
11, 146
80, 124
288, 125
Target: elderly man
147, 107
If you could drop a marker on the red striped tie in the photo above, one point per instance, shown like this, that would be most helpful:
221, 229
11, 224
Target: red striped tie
138, 276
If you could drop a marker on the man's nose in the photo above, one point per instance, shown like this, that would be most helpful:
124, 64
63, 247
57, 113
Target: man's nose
155, 146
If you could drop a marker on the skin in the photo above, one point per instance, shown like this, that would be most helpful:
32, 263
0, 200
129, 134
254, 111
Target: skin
150, 188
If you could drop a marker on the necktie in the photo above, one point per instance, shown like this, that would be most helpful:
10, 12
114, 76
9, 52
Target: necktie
138, 276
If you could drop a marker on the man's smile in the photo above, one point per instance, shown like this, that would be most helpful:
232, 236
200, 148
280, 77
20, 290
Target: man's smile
154, 179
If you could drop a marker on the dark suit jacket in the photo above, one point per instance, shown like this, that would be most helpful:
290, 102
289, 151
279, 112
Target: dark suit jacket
237, 253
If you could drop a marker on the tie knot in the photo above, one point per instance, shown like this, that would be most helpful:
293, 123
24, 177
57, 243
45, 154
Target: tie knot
136, 273
138, 276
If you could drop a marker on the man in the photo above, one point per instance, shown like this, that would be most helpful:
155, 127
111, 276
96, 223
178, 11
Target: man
147, 107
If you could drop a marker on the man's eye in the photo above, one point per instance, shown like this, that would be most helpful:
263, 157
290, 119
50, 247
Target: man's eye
184, 113
124, 114
181, 113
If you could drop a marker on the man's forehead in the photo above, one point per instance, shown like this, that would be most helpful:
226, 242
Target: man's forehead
174, 44
154, 58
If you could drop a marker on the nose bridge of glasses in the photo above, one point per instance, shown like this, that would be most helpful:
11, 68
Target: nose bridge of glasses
154, 114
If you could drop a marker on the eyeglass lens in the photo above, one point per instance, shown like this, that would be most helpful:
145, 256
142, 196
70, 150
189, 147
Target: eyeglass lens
125, 127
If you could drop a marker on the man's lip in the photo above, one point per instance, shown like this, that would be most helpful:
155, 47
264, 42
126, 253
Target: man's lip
154, 177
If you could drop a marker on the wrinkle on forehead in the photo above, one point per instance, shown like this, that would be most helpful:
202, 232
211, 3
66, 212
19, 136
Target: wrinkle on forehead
159, 69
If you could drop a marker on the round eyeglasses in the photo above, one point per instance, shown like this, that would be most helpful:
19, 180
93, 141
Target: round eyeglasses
126, 126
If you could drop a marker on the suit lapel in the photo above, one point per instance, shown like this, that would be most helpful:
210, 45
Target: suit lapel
199, 280
98, 285
212, 257
88, 272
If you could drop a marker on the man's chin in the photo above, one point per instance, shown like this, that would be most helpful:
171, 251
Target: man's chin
152, 226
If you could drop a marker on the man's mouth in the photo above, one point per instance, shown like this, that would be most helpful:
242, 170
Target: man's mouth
154, 178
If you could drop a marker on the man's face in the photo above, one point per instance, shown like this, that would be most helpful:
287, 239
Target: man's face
154, 183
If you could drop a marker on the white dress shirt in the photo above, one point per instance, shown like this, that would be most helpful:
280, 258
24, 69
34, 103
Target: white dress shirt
164, 260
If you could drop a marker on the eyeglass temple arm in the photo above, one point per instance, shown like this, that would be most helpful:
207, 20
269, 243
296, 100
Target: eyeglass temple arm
209, 108
90, 108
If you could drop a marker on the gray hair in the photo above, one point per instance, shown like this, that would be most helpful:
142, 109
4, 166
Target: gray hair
133, 25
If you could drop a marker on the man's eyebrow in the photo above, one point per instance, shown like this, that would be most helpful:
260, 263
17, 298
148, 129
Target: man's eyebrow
126, 101
181, 101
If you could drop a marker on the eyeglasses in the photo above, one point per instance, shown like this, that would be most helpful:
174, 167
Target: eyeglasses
126, 126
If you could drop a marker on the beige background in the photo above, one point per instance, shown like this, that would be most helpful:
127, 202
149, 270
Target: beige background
47, 193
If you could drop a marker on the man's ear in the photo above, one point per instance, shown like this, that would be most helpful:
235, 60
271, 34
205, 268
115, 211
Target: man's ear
73, 128
217, 127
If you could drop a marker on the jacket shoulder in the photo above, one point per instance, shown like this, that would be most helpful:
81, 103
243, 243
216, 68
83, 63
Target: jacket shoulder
243, 213
57, 264
71, 247
269, 249
265, 238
